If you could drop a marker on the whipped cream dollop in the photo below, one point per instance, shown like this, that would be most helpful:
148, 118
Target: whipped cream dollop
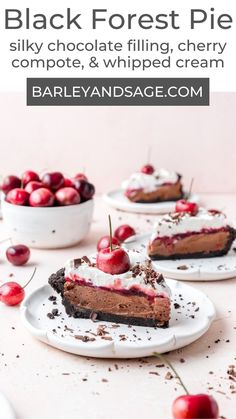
142, 274
149, 183
180, 223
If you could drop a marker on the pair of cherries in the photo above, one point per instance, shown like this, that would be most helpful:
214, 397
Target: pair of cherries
111, 258
12, 293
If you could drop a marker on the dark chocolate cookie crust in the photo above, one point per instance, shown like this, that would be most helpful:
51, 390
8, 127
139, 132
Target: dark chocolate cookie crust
199, 255
57, 281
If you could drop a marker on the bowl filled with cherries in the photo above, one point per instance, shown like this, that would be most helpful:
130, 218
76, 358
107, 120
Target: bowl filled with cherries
49, 210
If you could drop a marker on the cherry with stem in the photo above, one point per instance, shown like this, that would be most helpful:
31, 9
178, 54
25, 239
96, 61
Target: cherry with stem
191, 406
12, 293
190, 188
110, 232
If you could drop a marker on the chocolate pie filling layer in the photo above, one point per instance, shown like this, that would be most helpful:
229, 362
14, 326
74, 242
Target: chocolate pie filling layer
86, 301
192, 245
170, 192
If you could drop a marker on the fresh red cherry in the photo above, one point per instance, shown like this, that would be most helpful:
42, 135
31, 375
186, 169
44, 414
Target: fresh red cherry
17, 196
32, 186
185, 206
68, 183
29, 176
197, 406
18, 254
123, 232
85, 189
104, 242
11, 293
148, 169
53, 180
67, 196
9, 183
42, 197
81, 176
114, 262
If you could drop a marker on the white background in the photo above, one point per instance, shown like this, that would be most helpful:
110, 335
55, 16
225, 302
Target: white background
221, 80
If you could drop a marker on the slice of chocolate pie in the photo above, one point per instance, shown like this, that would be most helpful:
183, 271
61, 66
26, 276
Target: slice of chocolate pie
139, 296
157, 186
185, 235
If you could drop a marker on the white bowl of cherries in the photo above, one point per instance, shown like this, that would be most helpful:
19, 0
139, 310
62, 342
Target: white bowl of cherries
50, 211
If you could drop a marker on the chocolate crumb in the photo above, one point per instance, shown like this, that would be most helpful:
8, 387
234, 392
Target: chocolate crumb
168, 376
52, 298
182, 267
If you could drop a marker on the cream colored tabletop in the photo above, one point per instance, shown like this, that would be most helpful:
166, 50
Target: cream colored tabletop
43, 382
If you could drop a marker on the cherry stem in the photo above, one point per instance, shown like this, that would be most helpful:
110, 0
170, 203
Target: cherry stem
27, 283
190, 188
110, 232
149, 154
165, 360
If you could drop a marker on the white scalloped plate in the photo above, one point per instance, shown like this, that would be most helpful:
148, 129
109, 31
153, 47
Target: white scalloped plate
118, 200
205, 269
138, 342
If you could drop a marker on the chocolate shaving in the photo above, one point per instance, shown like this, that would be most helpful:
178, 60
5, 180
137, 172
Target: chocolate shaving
77, 262
101, 331
86, 260
151, 277
84, 338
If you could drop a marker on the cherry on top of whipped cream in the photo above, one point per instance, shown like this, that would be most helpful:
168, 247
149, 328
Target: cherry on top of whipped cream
113, 260
185, 206
148, 169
